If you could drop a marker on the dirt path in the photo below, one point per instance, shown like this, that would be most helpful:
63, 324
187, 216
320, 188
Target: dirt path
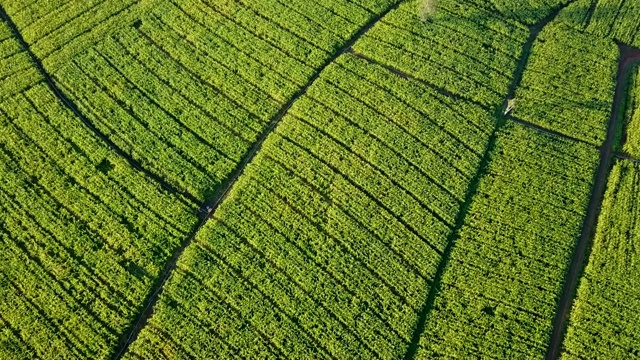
627, 58
209, 207
76, 111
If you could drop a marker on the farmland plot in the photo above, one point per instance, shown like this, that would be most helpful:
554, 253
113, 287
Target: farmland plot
392, 211
617, 19
187, 89
529, 12
568, 83
56, 30
17, 73
463, 49
604, 320
329, 242
83, 235
500, 288
631, 133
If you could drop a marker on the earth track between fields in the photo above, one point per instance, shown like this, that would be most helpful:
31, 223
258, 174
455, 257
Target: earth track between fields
210, 206
500, 121
628, 56
76, 111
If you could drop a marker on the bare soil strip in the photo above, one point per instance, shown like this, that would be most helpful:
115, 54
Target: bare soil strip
210, 206
74, 108
628, 56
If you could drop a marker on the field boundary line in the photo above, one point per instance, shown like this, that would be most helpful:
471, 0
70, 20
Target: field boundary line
404, 75
628, 56
627, 157
544, 130
211, 205
501, 120
76, 111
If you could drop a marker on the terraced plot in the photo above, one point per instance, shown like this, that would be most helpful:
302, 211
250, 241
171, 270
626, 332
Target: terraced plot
336, 225
220, 60
568, 84
631, 134
466, 51
500, 288
617, 19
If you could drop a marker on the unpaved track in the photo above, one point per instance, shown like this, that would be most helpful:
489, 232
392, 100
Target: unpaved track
210, 206
76, 111
628, 56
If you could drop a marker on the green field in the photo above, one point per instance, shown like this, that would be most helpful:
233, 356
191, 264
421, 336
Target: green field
604, 322
318, 179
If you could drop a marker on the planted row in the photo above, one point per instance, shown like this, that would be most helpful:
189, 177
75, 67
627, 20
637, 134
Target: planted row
16, 71
568, 83
499, 291
631, 134
604, 320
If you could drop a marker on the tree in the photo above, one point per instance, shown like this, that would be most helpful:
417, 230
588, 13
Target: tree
426, 8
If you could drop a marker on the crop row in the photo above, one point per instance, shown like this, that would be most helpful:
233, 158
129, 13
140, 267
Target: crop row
16, 72
604, 320
127, 84
531, 12
499, 289
568, 83
331, 237
83, 235
617, 19
631, 138
58, 30
470, 57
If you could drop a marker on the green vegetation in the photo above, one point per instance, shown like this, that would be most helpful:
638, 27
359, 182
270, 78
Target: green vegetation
341, 212
313, 179
604, 322
618, 19
83, 235
500, 289
229, 90
471, 55
529, 12
568, 83
631, 141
